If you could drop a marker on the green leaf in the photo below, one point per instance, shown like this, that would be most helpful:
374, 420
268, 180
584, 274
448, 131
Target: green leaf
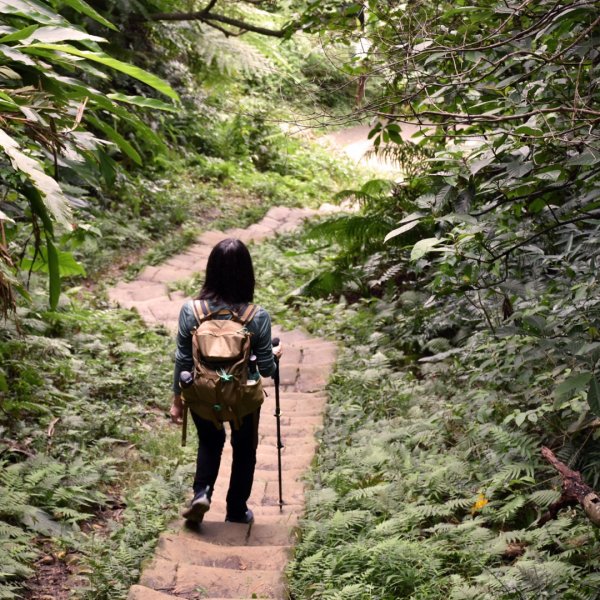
143, 102
402, 229
52, 195
54, 33
528, 130
15, 36
148, 78
518, 169
17, 56
476, 166
67, 265
53, 273
5, 217
572, 385
107, 167
422, 247
116, 137
593, 396
8, 103
30, 9
586, 158
84, 8
38, 207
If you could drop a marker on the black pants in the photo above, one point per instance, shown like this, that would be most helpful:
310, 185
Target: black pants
244, 442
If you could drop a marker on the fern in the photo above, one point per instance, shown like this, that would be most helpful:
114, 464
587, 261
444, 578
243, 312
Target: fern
231, 55
544, 498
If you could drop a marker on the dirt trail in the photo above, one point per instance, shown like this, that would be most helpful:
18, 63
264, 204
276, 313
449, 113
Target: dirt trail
227, 560
354, 142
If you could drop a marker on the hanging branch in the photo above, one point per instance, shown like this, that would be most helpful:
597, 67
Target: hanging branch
207, 16
574, 491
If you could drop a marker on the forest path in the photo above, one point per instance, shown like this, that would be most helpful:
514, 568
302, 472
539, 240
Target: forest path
228, 560
356, 145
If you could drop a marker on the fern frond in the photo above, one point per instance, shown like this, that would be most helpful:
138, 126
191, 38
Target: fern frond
357, 231
544, 498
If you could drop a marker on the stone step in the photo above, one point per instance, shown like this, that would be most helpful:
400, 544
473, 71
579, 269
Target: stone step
226, 561
237, 534
267, 514
301, 444
288, 432
228, 583
279, 213
289, 407
174, 548
165, 310
198, 250
300, 399
141, 592
271, 223
290, 337
134, 291
262, 476
212, 238
293, 460
287, 518
190, 264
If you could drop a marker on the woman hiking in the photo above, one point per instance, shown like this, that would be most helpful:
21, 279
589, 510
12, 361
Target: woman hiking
228, 291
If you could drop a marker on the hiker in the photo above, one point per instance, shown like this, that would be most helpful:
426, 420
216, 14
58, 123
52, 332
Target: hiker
228, 286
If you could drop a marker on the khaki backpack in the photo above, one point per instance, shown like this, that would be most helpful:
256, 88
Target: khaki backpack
221, 390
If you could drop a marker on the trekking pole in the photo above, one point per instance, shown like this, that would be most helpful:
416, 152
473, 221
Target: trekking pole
278, 419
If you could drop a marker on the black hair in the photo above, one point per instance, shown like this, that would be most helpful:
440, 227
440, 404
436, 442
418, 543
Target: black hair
229, 274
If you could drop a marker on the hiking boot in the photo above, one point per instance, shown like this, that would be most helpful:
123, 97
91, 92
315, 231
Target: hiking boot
198, 507
247, 517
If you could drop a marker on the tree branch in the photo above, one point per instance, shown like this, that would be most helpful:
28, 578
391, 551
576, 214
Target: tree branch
574, 491
205, 16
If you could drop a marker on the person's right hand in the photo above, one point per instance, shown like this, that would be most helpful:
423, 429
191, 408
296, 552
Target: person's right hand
278, 351
176, 410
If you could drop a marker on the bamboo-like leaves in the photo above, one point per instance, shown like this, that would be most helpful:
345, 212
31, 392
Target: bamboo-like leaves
148, 78
116, 137
53, 33
45, 120
143, 102
53, 273
85, 9
54, 199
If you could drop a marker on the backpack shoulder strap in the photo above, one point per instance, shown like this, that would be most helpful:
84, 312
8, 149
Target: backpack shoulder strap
201, 310
246, 315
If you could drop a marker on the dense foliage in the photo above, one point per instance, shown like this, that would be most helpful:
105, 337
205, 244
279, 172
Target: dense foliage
94, 167
51, 112
71, 387
423, 489
466, 290
484, 343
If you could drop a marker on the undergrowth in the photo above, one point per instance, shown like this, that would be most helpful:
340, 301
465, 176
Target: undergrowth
81, 425
427, 484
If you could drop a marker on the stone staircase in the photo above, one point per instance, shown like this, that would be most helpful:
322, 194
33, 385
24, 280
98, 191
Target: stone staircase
228, 560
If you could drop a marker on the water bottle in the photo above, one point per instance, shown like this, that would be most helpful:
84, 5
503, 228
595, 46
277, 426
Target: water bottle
253, 374
185, 379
